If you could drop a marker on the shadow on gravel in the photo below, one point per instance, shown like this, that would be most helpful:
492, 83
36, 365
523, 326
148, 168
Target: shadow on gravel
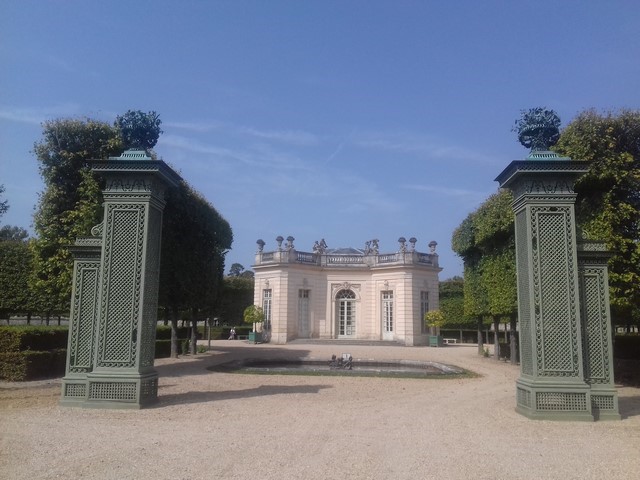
261, 391
629, 406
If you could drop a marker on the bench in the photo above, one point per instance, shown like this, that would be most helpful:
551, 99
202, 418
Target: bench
449, 341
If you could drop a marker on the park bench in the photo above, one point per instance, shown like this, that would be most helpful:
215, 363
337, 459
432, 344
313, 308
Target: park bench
450, 341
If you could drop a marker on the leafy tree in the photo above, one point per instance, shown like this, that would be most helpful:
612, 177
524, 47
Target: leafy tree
138, 129
236, 295
485, 241
4, 205
15, 264
195, 238
11, 233
608, 203
236, 270
69, 205
253, 314
452, 303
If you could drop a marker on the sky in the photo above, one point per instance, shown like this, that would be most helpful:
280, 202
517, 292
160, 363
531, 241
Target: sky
343, 120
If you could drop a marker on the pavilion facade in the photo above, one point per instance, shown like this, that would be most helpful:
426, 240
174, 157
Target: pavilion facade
346, 293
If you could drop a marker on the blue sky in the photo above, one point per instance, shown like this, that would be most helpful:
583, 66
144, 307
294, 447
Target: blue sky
343, 120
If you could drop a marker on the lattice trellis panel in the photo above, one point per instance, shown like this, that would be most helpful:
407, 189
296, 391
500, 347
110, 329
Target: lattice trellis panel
524, 309
555, 302
118, 391
596, 320
151, 283
84, 309
561, 402
121, 279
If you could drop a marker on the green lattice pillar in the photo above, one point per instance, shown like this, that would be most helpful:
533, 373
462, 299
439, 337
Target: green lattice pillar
84, 308
122, 374
552, 376
597, 335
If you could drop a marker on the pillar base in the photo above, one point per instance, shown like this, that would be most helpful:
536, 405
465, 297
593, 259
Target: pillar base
553, 400
604, 403
115, 390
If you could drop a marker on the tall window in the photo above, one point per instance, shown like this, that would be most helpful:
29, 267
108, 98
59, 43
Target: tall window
346, 305
303, 313
387, 311
266, 307
424, 308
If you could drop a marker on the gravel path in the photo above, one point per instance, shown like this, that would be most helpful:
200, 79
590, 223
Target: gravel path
227, 426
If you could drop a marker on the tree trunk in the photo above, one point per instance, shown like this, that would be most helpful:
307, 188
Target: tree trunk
480, 342
174, 333
47, 319
59, 320
194, 333
194, 336
496, 338
513, 346
29, 318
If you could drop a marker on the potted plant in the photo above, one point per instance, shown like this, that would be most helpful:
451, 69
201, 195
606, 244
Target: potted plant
254, 314
434, 319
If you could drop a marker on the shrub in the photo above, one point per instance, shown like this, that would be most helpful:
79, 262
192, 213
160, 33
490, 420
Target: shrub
627, 347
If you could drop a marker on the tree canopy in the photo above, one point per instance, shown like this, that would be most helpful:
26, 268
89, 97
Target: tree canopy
138, 129
195, 238
4, 204
608, 203
70, 203
485, 241
607, 209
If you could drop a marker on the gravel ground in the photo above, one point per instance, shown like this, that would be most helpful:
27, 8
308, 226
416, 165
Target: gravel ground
229, 426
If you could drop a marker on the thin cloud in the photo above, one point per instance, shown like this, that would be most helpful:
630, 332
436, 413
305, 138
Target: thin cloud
35, 116
290, 137
450, 192
419, 145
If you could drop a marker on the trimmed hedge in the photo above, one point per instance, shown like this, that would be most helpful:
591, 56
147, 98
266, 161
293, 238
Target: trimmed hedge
31, 365
19, 338
626, 347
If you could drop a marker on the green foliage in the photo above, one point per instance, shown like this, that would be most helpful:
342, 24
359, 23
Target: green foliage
494, 223
452, 303
19, 338
499, 279
69, 205
194, 240
9, 233
15, 265
236, 270
4, 204
139, 130
253, 314
608, 204
626, 346
236, 295
434, 318
28, 353
485, 240
463, 239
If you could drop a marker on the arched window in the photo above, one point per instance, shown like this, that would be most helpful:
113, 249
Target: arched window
346, 313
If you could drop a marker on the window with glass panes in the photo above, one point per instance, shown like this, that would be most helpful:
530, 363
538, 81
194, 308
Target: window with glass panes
266, 307
387, 311
424, 308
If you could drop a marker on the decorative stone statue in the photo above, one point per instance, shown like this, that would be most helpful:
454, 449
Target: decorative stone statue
289, 244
